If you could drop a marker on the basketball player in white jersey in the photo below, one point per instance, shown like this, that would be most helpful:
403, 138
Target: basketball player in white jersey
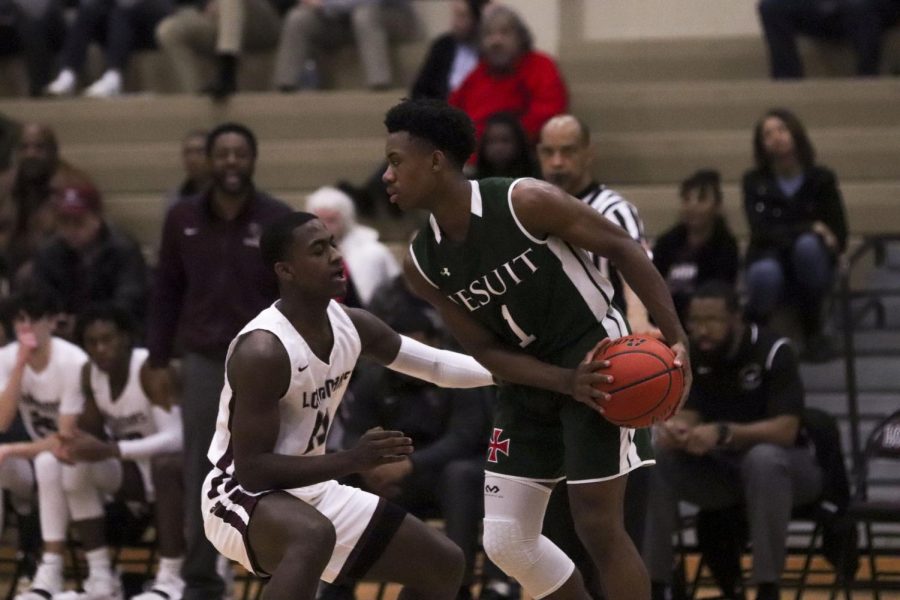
140, 455
271, 501
39, 377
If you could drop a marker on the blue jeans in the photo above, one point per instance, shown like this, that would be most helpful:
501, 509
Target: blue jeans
810, 272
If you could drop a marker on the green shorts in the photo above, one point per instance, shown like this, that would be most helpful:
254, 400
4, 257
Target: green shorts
547, 436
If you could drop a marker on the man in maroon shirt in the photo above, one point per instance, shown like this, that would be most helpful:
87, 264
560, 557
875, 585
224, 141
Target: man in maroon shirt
511, 76
210, 282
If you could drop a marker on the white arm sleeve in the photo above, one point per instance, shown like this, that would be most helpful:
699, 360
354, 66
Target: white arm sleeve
167, 439
440, 367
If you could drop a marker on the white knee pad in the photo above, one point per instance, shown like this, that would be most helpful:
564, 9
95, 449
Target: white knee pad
514, 515
82, 495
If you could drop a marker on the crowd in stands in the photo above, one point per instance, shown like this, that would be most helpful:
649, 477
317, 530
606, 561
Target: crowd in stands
110, 380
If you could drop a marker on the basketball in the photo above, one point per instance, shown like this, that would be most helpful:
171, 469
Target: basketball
646, 386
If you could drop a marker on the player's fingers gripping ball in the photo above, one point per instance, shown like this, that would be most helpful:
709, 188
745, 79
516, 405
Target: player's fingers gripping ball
646, 385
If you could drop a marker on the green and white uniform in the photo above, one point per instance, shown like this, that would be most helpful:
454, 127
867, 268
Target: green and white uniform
545, 297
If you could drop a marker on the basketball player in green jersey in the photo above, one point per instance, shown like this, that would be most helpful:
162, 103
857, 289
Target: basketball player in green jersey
504, 262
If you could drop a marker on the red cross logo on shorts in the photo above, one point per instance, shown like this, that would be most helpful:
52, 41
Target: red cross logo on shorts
496, 445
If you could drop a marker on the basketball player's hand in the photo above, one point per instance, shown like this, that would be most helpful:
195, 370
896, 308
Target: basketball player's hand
683, 360
702, 439
79, 446
378, 447
4, 452
588, 374
386, 480
27, 343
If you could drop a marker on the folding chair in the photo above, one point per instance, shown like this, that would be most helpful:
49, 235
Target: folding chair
883, 444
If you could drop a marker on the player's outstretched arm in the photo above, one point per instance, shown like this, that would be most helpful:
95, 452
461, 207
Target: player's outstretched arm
506, 363
543, 209
410, 357
259, 372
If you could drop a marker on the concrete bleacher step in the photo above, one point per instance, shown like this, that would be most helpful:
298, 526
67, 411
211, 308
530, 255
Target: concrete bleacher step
871, 404
272, 116
705, 105
873, 374
730, 58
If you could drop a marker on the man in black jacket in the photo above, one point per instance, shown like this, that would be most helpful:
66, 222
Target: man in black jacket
89, 261
736, 441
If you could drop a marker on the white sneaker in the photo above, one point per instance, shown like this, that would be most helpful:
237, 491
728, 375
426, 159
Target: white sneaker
106, 87
48, 581
167, 586
63, 85
107, 586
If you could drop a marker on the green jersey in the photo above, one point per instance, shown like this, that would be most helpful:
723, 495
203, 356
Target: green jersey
542, 295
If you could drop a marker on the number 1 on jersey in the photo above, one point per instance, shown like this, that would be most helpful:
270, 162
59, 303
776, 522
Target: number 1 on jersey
524, 338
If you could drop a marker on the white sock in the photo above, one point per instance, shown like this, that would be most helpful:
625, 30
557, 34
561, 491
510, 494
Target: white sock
66, 77
170, 566
98, 561
52, 559
113, 76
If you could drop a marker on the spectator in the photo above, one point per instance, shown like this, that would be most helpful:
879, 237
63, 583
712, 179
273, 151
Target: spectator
141, 456
209, 283
90, 261
39, 378
736, 441
566, 153
504, 150
453, 55
797, 226
511, 76
315, 26
38, 175
196, 167
369, 262
38, 28
449, 429
861, 22
700, 247
123, 25
220, 29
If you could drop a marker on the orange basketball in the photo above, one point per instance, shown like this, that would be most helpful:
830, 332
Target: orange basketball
646, 386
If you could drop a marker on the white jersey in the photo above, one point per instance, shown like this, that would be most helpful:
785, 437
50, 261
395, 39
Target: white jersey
130, 416
53, 391
312, 398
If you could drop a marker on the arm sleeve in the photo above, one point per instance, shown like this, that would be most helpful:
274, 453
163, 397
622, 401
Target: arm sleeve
167, 439
784, 386
440, 367
168, 293
465, 433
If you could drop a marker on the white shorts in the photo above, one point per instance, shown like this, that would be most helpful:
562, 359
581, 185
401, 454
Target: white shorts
363, 522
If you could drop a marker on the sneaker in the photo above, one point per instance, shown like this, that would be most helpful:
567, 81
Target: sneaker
166, 586
63, 85
107, 586
47, 582
106, 87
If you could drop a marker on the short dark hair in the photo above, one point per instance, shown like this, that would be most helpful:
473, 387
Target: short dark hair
108, 313
705, 180
806, 154
278, 235
721, 290
230, 127
35, 300
445, 127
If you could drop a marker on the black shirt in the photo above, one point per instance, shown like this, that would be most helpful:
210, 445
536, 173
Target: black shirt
760, 381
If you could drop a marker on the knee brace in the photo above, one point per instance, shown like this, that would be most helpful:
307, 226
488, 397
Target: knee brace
512, 536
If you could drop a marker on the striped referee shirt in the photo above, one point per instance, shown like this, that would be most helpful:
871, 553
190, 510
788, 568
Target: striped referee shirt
624, 214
